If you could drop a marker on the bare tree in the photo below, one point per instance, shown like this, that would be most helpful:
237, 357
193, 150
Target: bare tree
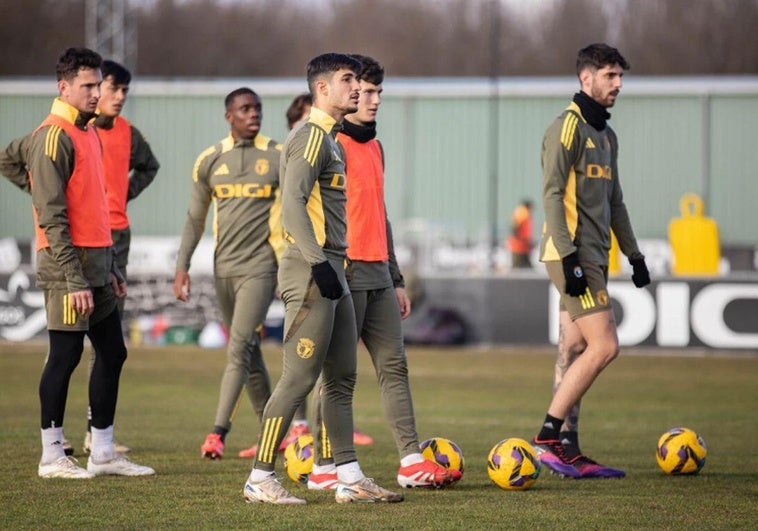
418, 38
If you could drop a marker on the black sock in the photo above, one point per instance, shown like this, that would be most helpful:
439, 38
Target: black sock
570, 442
550, 428
221, 432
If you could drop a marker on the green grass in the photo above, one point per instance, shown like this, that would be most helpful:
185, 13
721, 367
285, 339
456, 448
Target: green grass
475, 397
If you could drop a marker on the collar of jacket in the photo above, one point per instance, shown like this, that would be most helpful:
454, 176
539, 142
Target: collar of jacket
260, 142
323, 120
71, 114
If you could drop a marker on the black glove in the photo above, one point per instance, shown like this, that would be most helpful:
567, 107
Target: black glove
640, 275
327, 280
576, 282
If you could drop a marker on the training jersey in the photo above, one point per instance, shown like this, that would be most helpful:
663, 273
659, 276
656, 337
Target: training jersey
129, 165
241, 179
313, 189
372, 263
68, 198
581, 191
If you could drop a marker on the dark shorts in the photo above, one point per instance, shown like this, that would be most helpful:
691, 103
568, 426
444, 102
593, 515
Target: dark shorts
60, 315
121, 242
595, 299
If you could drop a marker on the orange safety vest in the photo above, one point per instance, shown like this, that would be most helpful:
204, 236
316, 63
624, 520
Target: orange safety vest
117, 148
86, 204
366, 217
520, 242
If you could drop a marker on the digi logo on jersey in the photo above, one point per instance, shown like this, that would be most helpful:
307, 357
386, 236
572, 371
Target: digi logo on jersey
338, 181
596, 171
226, 191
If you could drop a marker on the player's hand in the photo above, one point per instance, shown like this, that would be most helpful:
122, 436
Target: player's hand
640, 274
82, 302
327, 280
404, 302
182, 286
576, 282
119, 288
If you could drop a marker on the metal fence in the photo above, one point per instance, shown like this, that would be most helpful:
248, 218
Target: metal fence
460, 153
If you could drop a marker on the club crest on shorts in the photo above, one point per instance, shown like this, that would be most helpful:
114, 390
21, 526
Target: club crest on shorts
602, 298
305, 347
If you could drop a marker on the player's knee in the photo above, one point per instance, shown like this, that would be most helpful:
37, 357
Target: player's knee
121, 354
574, 347
610, 351
393, 371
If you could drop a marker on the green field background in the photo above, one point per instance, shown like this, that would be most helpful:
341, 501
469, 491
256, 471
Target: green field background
476, 397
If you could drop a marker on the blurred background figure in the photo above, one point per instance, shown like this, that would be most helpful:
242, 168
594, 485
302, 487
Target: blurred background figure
519, 241
299, 109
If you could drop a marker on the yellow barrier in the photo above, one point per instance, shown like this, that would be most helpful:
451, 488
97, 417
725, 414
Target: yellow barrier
694, 239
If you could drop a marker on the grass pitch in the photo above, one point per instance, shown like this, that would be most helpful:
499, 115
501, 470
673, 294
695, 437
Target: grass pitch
475, 397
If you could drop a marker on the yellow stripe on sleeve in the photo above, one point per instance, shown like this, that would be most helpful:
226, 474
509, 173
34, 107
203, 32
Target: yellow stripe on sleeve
313, 145
276, 232
51, 142
199, 160
569, 130
315, 209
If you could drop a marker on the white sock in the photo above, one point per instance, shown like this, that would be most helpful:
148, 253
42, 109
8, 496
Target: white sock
52, 445
102, 444
256, 476
331, 468
299, 422
350, 473
412, 459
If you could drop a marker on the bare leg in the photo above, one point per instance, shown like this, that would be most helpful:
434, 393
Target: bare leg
599, 332
571, 345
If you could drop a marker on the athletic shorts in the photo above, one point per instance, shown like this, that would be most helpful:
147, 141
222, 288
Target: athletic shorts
595, 299
61, 316
121, 242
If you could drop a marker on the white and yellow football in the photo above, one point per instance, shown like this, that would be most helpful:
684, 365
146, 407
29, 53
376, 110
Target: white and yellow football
444, 452
298, 458
512, 464
681, 451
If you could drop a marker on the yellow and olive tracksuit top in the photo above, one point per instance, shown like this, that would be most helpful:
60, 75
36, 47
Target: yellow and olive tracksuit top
581, 191
241, 178
64, 159
313, 189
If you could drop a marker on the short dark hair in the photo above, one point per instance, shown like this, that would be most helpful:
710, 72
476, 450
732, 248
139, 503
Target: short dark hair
297, 107
328, 63
74, 59
120, 74
238, 92
371, 71
598, 55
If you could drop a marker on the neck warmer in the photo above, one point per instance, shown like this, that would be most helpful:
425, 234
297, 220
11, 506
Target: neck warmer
595, 114
359, 133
